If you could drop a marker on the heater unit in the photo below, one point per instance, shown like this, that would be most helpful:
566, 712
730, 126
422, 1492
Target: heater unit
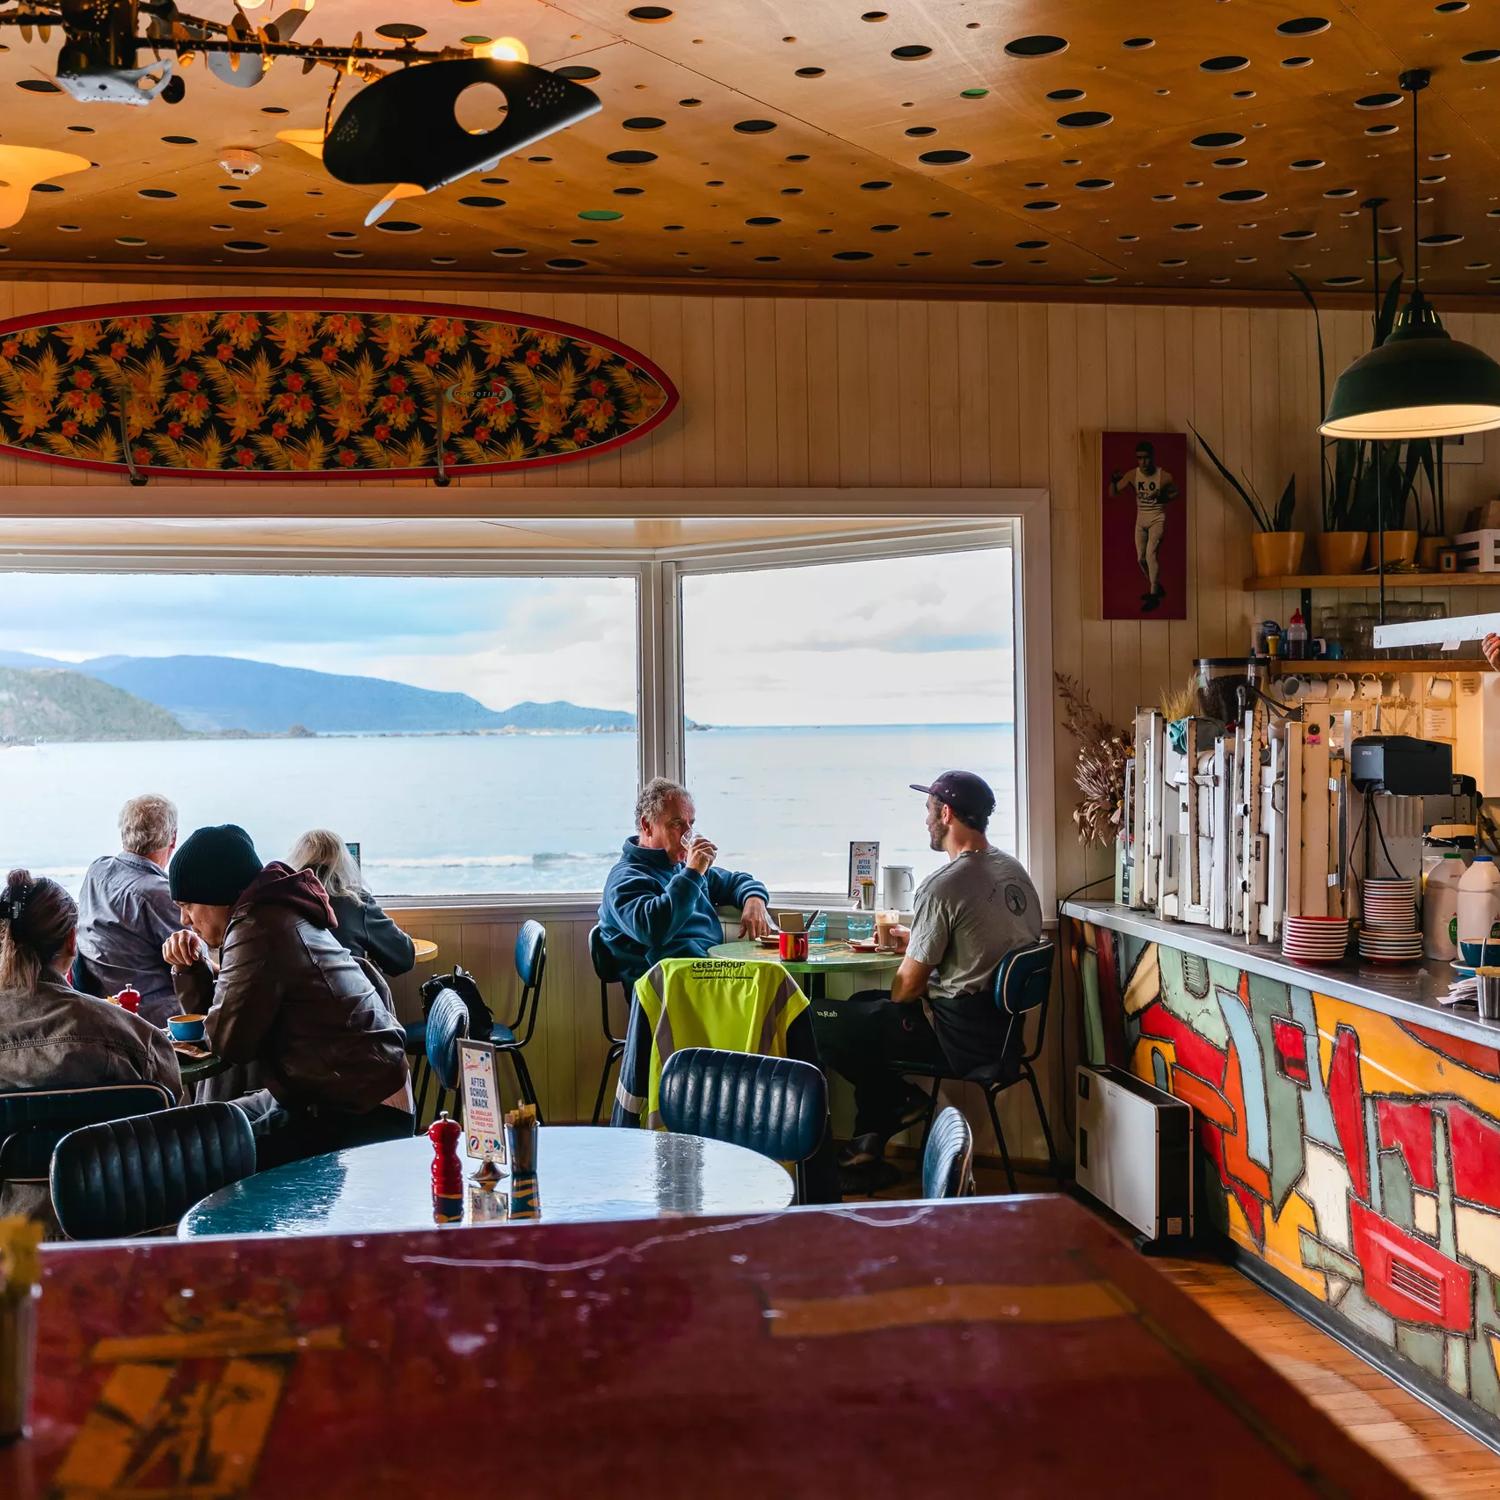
1135, 1152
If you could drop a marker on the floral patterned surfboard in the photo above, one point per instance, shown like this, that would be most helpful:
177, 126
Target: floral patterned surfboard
288, 387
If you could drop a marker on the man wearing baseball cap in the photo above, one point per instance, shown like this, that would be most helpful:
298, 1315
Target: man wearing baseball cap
967, 916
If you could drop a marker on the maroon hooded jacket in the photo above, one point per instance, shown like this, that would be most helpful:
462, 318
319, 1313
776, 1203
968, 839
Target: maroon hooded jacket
291, 998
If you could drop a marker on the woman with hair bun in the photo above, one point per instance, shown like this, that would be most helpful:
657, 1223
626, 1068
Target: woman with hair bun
55, 1037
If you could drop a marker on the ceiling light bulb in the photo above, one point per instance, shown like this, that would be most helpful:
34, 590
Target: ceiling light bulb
504, 49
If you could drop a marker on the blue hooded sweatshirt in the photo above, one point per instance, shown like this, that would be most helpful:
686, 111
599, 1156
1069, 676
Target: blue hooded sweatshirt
654, 908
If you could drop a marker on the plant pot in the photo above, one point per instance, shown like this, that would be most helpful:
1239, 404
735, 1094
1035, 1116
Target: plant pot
1277, 553
1428, 549
1341, 551
1400, 547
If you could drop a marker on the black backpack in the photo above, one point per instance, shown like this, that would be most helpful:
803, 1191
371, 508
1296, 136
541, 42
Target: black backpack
462, 983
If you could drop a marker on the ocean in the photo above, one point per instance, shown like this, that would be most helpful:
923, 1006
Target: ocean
466, 815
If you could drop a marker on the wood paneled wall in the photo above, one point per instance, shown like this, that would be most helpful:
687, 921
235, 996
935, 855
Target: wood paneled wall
830, 391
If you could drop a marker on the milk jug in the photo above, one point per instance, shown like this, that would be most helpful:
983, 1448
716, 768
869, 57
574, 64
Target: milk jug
1440, 906
1478, 912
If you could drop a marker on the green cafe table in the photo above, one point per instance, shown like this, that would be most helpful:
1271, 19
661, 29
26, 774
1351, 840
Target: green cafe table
584, 1173
822, 960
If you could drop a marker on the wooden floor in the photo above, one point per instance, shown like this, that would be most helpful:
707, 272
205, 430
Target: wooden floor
1426, 1449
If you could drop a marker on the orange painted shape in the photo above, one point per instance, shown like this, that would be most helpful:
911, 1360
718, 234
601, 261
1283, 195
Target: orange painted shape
915, 1306
1251, 1173
1204, 1097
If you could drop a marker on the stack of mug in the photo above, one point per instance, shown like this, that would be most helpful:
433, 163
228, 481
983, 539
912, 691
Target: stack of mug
1389, 933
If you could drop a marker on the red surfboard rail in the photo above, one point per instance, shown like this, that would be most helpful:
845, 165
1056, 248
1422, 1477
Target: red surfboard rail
329, 387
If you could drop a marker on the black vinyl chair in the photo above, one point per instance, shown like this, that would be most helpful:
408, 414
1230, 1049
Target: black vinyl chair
1022, 984
776, 1106
140, 1175
447, 1026
33, 1121
531, 966
604, 967
948, 1157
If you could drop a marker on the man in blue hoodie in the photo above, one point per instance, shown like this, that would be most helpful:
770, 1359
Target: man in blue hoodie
662, 898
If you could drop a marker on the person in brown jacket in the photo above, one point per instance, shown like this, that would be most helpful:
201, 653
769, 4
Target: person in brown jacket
286, 995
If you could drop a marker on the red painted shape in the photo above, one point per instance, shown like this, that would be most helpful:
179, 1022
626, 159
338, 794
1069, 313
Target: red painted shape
1409, 1278
1473, 1055
1290, 1042
1346, 1099
1476, 1156
1211, 1144
1194, 1050
1107, 946
1406, 1126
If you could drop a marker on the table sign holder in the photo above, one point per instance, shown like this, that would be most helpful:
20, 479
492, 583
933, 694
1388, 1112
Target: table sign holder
864, 872
484, 1133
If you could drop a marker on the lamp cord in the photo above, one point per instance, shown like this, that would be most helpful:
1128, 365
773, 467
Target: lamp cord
1416, 230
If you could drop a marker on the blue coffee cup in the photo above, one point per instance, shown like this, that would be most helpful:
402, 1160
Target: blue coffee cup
1473, 955
185, 1028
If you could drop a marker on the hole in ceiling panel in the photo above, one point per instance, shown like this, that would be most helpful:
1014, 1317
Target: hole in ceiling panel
1377, 101
249, 205
853, 255
943, 158
479, 200
1035, 46
921, 130
649, 13
600, 215
1436, 241
398, 226
1084, 119
884, 228
762, 221
1138, 43
1297, 234
1217, 140
1306, 164
245, 247
810, 72
1295, 62
1041, 206
631, 158
755, 127
157, 193
1243, 195
1304, 26
509, 251
1381, 129
567, 263
1063, 96
1094, 184
911, 53
643, 122
876, 186
986, 265
1230, 63
1230, 161
1484, 55
1341, 192
38, 86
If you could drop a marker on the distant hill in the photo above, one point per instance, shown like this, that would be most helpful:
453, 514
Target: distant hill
61, 705
560, 714
27, 662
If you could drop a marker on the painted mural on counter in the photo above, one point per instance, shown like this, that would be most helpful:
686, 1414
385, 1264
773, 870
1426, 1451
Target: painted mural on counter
1357, 1155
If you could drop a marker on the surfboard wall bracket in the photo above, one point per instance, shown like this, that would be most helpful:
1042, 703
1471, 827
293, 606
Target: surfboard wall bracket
137, 479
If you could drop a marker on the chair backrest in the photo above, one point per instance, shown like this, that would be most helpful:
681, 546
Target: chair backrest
531, 965
139, 1176
601, 958
447, 1025
948, 1161
774, 1105
33, 1121
1023, 983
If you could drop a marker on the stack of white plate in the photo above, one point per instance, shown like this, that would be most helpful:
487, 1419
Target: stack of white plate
1389, 933
1390, 906
1315, 940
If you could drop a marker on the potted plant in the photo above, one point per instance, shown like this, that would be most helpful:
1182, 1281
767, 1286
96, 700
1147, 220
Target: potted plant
1276, 547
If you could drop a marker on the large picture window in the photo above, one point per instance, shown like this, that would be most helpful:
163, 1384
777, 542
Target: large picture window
470, 734
814, 695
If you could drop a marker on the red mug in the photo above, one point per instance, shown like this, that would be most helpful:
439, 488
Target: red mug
794, 945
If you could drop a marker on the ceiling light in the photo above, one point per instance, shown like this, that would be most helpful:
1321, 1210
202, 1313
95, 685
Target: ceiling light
1419, 382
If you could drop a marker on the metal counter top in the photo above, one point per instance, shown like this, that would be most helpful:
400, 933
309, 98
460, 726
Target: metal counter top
1406, 992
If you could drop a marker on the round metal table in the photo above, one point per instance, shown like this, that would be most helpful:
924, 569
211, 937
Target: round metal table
584, 1173
822, 959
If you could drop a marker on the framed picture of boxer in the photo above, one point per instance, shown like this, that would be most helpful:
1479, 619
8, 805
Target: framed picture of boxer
1144, 500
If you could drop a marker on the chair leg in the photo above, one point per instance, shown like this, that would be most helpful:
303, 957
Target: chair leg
1052, 1157
421, 1080
523, 1079
616, 1051
1010, 1176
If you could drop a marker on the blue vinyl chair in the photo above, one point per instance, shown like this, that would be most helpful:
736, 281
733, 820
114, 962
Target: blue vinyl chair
608, 974
776, 1106
1022, 984
140, 1175
447, 1026
531, 967
948, 1157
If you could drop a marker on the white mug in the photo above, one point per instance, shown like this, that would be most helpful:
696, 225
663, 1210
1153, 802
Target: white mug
1341, 686
1291, 687
1440, 690
1369, 687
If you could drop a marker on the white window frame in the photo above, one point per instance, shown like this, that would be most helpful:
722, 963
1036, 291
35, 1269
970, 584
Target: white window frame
901, 522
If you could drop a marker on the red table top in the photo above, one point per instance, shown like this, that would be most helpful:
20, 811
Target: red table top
986, 1346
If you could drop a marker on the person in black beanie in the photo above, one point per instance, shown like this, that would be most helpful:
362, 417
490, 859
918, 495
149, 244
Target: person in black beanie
286, 996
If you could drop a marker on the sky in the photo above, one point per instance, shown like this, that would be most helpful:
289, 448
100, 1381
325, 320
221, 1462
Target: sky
889, 641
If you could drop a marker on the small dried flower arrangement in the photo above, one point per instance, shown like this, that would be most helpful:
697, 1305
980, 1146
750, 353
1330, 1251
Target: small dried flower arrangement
1100, 769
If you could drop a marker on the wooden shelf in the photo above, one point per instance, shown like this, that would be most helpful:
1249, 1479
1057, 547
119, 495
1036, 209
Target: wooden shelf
1324, 667
1372, 581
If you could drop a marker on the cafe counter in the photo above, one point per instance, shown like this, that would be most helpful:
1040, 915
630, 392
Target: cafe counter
1348, 1133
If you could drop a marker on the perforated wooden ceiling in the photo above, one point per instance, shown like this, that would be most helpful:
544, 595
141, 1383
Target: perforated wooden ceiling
1163, 143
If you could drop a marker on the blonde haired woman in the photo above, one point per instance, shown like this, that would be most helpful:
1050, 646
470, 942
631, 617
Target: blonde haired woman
364, 929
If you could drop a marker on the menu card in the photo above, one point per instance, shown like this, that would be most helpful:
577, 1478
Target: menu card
864, 866
483, 1135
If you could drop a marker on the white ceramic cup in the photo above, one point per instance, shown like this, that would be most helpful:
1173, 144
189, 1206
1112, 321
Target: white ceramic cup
1341, 686
1440, 690
1369, 687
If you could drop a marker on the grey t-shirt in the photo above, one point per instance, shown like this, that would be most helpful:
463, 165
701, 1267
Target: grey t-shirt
968, 916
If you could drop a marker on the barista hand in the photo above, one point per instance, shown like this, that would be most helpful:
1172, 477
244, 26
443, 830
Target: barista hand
1490, 645
701, 855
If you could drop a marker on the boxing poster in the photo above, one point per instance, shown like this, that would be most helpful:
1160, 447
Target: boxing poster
1145, 526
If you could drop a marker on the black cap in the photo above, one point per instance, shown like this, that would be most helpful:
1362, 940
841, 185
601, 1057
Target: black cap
213, 866
967, 794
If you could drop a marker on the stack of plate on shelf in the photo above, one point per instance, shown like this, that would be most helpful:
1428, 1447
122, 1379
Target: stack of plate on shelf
1389, 933
1315, 940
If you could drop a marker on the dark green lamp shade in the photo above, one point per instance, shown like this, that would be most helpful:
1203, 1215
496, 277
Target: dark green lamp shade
1419, 383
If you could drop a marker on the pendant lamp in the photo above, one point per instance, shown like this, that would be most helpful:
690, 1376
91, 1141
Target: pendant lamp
1420, 382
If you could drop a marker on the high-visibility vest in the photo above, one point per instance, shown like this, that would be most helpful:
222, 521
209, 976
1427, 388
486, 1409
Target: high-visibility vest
711, 1002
